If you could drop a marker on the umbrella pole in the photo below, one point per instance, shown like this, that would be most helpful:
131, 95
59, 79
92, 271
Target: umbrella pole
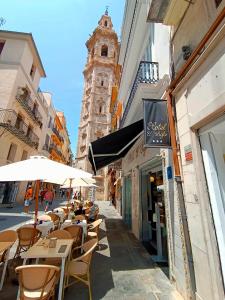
80, 193
36, 201
69, 194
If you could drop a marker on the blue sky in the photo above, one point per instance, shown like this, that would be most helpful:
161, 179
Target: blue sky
60, 29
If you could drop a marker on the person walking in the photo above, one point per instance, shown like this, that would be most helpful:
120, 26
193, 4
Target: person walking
42, 194
28, 199
49, 197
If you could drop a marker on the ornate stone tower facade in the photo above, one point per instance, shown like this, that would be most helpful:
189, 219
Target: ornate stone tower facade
99, 77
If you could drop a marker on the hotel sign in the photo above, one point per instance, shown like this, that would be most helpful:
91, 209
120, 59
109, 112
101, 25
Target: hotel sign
156, 127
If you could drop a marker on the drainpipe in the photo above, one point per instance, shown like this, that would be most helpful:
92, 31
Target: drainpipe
187, 250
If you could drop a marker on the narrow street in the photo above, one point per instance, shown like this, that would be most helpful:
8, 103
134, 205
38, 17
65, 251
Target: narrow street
121, 267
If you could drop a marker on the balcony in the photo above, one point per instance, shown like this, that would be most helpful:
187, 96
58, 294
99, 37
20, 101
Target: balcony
11, 121
148, 73
56, 132
54, 148
29, 105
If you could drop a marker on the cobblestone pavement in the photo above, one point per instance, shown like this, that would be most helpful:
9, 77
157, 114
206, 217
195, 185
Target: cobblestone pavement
121, 267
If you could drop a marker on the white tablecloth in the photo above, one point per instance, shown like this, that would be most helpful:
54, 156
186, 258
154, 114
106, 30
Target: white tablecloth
45, 227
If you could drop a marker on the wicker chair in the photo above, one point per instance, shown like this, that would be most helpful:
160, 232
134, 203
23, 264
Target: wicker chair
60, 234
55, 219
79, 268
6, 236
93, 229
27, 237
37, 282
76, 233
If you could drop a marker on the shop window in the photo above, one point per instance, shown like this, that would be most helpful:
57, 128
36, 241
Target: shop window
217, 2
24, 155
2, 43
12, 152
104, 50
32, 71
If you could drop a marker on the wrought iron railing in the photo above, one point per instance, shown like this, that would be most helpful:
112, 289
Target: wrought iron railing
148, 72
29, 105
10, 120
55, 131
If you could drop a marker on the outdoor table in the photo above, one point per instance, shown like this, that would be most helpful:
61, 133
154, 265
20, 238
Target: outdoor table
5, 246
40, 250
45, 227
83, 224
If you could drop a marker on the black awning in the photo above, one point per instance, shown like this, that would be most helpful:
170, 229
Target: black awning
110, 148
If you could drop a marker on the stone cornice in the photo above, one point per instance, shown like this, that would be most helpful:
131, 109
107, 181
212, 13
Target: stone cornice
96, 63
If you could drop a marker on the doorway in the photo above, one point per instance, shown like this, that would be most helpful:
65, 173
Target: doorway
127, 210
153, 225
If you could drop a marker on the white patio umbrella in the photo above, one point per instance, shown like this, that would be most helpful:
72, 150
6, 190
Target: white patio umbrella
38, 168
83, 182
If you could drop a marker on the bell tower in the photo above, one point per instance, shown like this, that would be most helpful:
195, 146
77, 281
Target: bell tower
99, 77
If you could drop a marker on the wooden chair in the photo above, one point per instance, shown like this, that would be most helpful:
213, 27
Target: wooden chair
37, 282
93, 229
60, 234
27, 237
76, 233
80, 218
55, 219
11, 237
79, 268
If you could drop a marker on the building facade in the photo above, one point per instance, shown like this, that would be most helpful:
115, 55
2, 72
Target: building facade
24, 110
175, 50
99, 78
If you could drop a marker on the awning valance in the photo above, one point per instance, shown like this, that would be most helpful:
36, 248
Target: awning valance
110, 148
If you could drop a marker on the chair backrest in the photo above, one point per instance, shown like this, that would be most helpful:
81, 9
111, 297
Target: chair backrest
54, 217
28, 235
60, 234
80, 217
39, 279
8, 236
95, 225
88, 248
74, 230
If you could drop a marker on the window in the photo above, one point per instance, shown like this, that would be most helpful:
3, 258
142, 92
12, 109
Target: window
106, 24
24, 155
100, 109
47, 139
32, 71
12, 152
29, 132
2, 43
102, 82
104, 51
50, 122
19, 123
217, 2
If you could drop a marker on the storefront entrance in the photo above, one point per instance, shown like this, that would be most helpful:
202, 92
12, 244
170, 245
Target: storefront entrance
153, 226
212, 139
8, 192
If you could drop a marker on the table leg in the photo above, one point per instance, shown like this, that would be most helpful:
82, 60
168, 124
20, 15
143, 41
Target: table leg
4, 269
61, 279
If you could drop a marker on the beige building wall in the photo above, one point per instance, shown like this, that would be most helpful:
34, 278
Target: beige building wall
18, 55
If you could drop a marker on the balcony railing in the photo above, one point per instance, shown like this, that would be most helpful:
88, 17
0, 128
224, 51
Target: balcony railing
55, 131
148, 72
9, 120
29, 105
56, 149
